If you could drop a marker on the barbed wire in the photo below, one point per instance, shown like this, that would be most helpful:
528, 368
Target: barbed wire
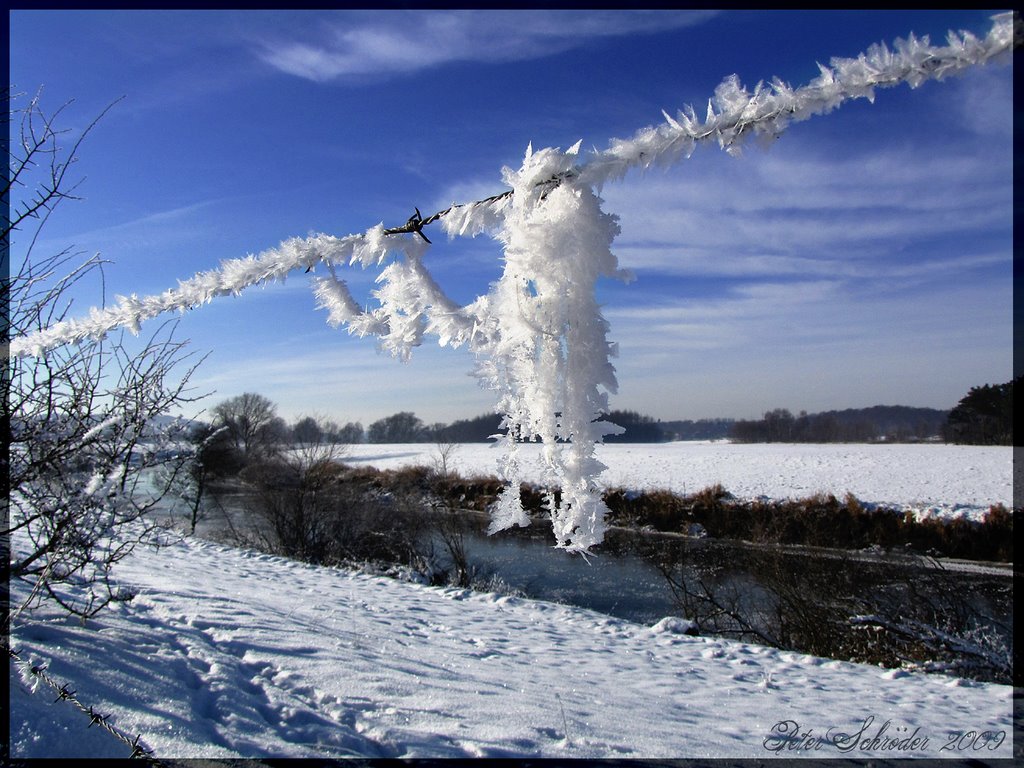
64, 693
764, 108
733, 114
416, 223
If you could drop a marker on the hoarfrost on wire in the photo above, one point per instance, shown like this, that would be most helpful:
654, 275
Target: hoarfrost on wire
546, 351
538, 334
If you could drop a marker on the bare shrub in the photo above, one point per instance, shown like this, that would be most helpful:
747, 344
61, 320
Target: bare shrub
309, 506
83, 441
914, 614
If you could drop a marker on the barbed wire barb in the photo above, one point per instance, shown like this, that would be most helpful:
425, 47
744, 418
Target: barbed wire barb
64, 693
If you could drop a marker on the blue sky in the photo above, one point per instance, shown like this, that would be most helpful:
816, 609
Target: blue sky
865, 258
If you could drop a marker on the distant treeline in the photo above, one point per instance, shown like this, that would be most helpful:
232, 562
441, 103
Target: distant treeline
890, 423
984, 416
406, 427
880, 422
477, 430
893, 423
645, 429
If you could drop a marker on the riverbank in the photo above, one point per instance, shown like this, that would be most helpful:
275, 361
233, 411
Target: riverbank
228, 653
820, 520
895, 606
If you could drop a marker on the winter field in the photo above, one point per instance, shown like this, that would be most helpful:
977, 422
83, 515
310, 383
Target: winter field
928, 478
230, 653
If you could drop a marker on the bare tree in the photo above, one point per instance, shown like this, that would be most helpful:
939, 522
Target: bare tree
189, 487
445, 516
79, 419
252, 424
444, 458
403, 427
351, 433
38, 166
308, 430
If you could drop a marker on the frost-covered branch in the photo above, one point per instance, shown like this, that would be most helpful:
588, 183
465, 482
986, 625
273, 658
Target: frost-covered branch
975, 649
38, 153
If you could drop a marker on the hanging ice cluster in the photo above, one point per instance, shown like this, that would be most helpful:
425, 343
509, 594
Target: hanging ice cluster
538, 334
545, 348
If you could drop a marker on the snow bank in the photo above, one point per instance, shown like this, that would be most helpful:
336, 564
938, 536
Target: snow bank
228, 653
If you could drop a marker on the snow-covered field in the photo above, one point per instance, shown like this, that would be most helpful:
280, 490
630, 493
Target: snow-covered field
930, 479
227, 653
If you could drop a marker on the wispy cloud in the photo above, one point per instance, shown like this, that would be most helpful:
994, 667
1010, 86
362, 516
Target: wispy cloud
167, 227
396, 42
773, 311
788, 213
844, 348
354, 382
980, 99
171, 217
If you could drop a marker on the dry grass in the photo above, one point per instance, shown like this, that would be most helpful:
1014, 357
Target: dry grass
820, 520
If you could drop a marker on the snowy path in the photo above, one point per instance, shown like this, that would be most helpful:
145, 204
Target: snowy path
234, 653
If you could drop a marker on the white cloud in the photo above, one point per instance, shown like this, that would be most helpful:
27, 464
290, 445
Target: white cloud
800, 212
395, 42
143, 229
981, 100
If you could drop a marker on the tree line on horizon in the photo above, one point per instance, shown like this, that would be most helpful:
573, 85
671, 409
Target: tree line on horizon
984, 416
879, 423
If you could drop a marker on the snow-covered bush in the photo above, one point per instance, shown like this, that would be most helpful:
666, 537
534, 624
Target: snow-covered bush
84, 450
80, 420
